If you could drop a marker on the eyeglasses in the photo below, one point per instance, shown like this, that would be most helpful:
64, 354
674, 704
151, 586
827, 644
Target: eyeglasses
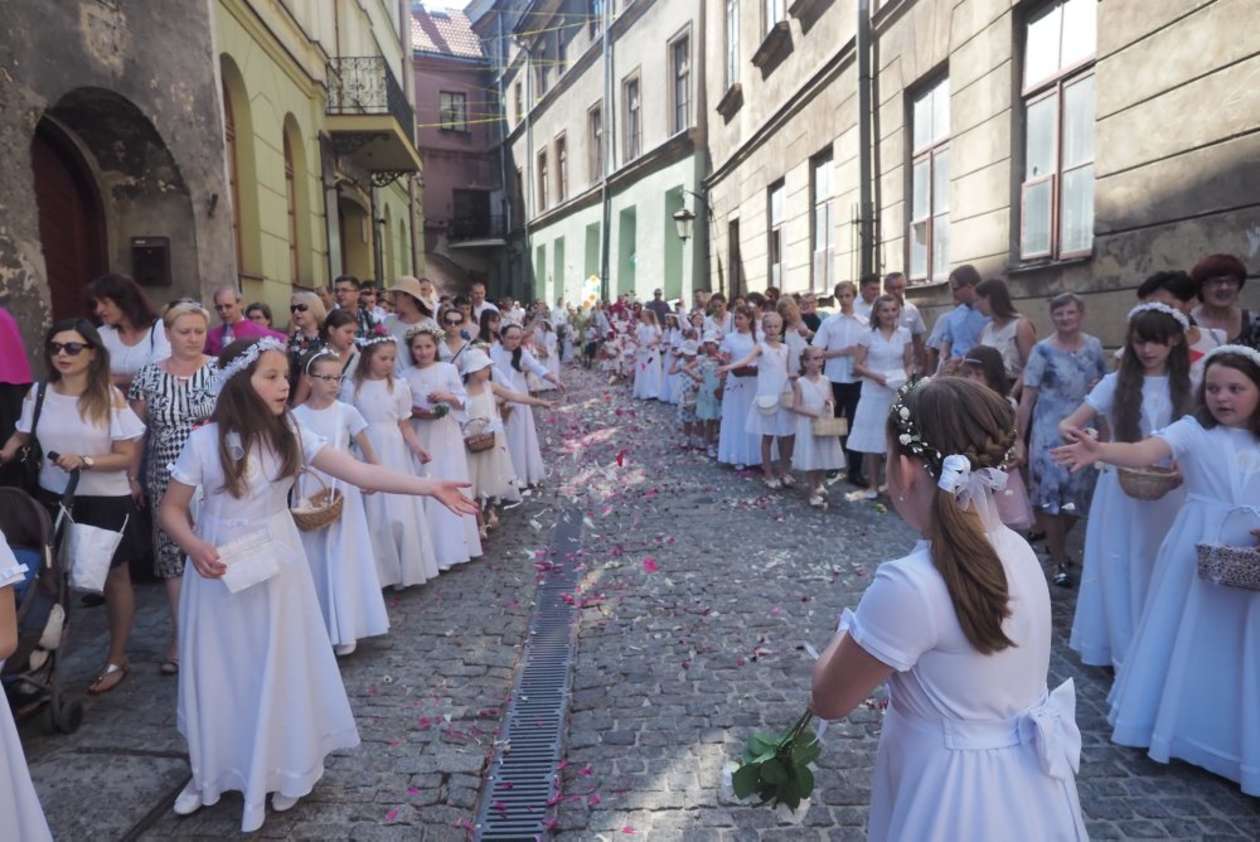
454, 322
1221, 281
299, 308
72, 349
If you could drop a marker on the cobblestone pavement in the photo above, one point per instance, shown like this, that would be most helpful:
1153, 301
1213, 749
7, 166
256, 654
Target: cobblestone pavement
700, 591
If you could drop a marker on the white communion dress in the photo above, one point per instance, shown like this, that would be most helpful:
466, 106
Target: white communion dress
21, 816
455, 537
886, 356
973, 747
343, 564
521, 429
261, 702
1190, 685
647, 363
772, 379
490, 471
736, 446
400, 532
1121, 541
815, 453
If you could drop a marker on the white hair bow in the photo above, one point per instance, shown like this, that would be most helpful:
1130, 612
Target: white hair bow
967, 485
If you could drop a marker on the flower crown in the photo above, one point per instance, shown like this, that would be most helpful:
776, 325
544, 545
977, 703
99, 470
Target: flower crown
377, 339
1160, 307
244, 360
1241, 350
908, 434
425, 329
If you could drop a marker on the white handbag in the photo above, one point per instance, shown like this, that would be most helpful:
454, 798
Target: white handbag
250, 559
87, 552
767, 404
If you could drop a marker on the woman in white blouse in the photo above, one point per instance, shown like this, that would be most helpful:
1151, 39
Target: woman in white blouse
85, 425
130, 328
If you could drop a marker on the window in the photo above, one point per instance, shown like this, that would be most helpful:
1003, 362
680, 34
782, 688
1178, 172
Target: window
595, 142
290, 197
562, 169
519, 184
540, 71
929, 177
518, 93
774, 248
234, 178
453, 110
634, 113
595, 13
773, 12
680, 88
1057, 193
542, 181
562, 53
732, 43
822, 238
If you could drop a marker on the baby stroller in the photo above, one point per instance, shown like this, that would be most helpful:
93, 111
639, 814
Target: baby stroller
30, 677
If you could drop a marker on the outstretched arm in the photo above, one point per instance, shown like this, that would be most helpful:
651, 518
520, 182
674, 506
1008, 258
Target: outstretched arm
345, 467
1085, 450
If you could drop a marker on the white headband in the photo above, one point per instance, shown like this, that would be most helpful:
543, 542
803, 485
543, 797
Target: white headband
376, 340
247, 358
1241, 350
1159, 307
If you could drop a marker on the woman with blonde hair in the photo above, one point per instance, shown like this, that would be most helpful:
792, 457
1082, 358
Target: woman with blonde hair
306, 318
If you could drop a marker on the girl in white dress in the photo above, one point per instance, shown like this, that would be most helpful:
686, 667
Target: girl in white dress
767, 417
437, 395
512, 361
490, 471
400, 532
21, 816
261, 702
883, 359
973, 745
1151, 389
736, 446
671, 338
647, 360
1188, 685
343, 564
811, 398
547, 346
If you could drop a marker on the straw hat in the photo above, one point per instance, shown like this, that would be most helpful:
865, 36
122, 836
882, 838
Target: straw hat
415, 289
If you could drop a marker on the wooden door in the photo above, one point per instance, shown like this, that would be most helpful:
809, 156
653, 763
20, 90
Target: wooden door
71, 222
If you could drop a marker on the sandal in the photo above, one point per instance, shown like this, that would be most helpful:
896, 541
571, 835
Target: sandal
1062, 577
103, 684
169, 667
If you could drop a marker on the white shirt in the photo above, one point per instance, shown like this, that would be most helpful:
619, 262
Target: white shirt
840, 331
478, 309
128, 359
912, 319
62, 430
862, 308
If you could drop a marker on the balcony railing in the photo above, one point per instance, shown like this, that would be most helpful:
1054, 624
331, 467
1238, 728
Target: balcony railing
366, 85
477, 227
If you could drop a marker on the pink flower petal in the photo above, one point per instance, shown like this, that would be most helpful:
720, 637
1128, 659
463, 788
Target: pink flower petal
391, 815
629, 830
649, 565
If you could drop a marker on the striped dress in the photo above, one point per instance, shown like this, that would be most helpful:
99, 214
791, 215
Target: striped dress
173, 405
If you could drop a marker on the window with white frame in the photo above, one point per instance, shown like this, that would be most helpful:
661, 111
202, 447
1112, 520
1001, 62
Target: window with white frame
774, 246
822, 235
562, 168
542, 181
453, 111
1056, 212
634, 118
772, 13
518, 95
680, 88
595, 16
732, 43
595, 142
929, 176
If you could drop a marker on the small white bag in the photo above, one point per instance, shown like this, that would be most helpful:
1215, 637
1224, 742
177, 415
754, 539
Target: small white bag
767, 404
250, 559
87, 551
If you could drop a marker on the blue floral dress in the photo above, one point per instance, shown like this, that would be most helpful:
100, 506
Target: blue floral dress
1062, 380
708, 404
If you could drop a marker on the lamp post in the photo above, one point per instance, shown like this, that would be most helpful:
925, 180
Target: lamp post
683, 220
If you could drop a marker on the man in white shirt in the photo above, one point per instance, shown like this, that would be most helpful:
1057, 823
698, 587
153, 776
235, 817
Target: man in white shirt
479, 304
911, 318
838, 337
868, 289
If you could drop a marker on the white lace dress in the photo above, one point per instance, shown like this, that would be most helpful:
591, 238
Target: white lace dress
815, 453
736, 446
520, 427
772, 379
261, 702
887, 357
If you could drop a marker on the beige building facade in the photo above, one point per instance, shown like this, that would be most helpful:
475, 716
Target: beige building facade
1062, 144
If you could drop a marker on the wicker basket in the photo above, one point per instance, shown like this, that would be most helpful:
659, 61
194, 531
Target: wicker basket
1148, 483
477, 436
745, 371
829, 425
321, 509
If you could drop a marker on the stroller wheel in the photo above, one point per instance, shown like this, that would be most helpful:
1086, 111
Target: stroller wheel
65, 717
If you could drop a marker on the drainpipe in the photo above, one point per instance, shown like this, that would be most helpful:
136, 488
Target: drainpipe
866, 240
376, 238
607, 112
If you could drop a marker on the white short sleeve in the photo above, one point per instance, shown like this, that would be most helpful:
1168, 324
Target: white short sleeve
190, 467
1183, 436
124, 424
355, 421
402, 398
1103, 396
894, 622
28, 410
916, 325
11, 570
312, 442
865, 338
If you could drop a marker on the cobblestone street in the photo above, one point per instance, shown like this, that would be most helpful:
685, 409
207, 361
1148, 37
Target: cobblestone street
701, 594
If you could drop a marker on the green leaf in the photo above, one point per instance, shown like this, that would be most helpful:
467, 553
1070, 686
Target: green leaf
745, 780
772, 771
804, 755
805, 777
761, 743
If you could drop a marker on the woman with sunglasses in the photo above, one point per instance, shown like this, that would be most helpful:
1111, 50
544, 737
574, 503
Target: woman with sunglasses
455, 341
171, 397
306, 316
85, 425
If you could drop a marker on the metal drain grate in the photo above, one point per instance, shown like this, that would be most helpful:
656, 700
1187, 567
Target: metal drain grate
523, 775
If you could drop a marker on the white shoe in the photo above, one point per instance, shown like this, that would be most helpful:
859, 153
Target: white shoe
740, 466
817, 501
788, 480
280, 803
861, 495
188, 801
773, 484
344, 649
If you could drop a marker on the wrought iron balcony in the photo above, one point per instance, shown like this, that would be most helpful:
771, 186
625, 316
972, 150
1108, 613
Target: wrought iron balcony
477, 227
366, 85
370, 119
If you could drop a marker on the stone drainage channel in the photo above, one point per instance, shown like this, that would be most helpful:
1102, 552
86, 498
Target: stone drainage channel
523, 774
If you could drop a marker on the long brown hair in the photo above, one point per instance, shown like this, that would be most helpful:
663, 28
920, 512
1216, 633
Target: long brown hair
368, 351
240, 410
1150, 326
953, 415
98, 398
999, 296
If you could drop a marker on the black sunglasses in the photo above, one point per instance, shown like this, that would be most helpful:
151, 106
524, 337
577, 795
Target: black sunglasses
298, 308
72, 349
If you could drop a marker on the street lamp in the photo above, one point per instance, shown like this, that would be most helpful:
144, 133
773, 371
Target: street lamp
683, 220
